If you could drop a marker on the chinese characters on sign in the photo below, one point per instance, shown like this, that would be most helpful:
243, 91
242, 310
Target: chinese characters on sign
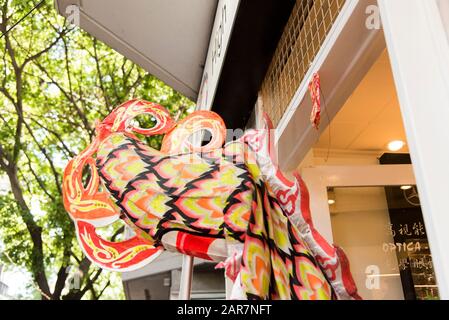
406, 229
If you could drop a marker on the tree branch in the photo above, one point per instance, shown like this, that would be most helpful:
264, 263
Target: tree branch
62, 274
46, 49
100, 76
4, 157
57, 136
91, 281
8, 95
36, 177
70, 98
49, 160
104, 288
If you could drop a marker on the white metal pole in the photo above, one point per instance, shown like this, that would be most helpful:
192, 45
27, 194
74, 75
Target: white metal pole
186, 277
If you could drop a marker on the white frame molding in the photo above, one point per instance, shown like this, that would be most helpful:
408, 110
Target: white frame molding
419, 53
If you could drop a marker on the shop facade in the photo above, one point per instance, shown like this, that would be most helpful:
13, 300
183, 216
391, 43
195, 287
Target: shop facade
376, 167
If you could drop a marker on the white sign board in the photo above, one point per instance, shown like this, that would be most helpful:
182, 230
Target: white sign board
218, 44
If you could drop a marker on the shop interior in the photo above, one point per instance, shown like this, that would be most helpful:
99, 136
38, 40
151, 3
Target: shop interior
380, 226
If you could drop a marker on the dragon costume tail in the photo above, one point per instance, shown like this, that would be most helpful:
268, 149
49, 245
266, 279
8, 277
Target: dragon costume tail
293, 197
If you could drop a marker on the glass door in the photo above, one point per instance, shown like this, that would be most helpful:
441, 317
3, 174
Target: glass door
374, 214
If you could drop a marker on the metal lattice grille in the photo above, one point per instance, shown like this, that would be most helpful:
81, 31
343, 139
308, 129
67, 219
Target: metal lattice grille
303, 36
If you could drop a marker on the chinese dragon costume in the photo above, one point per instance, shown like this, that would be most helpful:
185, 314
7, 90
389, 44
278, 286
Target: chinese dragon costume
227, 203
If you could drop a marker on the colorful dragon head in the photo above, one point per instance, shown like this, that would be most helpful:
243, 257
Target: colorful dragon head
201, 209
122, 119
90, 201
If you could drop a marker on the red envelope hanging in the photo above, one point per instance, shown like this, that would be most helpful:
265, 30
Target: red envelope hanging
315, 92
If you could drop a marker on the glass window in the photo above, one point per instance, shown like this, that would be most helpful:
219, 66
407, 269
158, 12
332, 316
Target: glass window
382, 231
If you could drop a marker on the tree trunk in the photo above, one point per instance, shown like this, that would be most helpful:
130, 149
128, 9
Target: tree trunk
35, 233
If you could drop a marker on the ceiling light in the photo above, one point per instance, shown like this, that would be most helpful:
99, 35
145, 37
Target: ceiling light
396, 145
406, 187
331, 201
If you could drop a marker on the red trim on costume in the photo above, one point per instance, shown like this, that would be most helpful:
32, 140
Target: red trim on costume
348, 281
193, 245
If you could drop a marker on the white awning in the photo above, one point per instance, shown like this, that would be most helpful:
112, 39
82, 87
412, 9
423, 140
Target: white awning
168, 38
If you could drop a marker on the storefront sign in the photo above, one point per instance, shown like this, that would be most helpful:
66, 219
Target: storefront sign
221, 32
402, 247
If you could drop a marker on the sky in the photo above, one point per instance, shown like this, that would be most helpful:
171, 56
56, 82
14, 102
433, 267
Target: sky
17, 281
